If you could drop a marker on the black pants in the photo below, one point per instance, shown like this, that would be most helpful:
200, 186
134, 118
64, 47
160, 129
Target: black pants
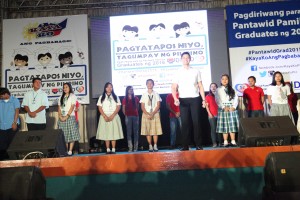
6, 137
33, 127
190, 117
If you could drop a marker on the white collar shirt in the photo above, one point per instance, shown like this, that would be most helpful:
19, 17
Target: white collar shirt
34, 100
187, 80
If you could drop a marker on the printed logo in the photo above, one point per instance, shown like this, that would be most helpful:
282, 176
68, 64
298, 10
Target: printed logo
170, 60
296, 84
35, 30
253, 68
241, 87
270, 73
80, 89
54, 90
263, 74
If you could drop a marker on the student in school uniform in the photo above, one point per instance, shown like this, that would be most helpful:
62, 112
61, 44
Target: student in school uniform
228, 119
151, 125
66, 113
109, 126
278, 93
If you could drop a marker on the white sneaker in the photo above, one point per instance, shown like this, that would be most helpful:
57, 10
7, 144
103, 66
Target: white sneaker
108, 150
225, 143
150, 148
69, 153
113, 150
233, 143
155, 147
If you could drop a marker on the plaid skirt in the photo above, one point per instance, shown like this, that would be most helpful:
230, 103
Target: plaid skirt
151, 126
227, 122
70, 129
109, 130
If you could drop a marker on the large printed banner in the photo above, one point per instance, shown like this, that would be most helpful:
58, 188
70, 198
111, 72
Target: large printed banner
264, 38
149, 46
54, 49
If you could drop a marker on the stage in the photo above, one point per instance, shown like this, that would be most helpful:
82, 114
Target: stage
210, 170
144, 161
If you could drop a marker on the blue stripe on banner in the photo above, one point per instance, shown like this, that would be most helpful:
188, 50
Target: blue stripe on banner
263, 24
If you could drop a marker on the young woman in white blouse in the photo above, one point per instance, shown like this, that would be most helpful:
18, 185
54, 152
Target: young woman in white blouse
67, 121
278, 93
228, 119
109, 126
151, 125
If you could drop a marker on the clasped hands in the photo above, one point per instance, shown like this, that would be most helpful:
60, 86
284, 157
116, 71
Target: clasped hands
229, 109
108, 118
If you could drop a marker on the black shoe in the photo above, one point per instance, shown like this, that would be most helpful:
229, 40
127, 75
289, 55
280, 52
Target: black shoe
184, 148
234, 145
199, 148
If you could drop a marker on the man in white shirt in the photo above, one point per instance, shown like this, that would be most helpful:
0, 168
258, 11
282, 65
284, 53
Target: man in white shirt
189, 83
35, 103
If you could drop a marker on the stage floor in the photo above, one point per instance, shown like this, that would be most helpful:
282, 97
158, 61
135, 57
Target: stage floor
144, 161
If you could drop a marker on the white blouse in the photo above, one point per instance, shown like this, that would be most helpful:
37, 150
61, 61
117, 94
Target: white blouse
187, 80
71, 100
279, 94
108, 105
150, 101
222, 99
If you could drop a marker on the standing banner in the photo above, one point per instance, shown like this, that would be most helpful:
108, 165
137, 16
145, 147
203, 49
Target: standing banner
54, 49
264, 38
150, 46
